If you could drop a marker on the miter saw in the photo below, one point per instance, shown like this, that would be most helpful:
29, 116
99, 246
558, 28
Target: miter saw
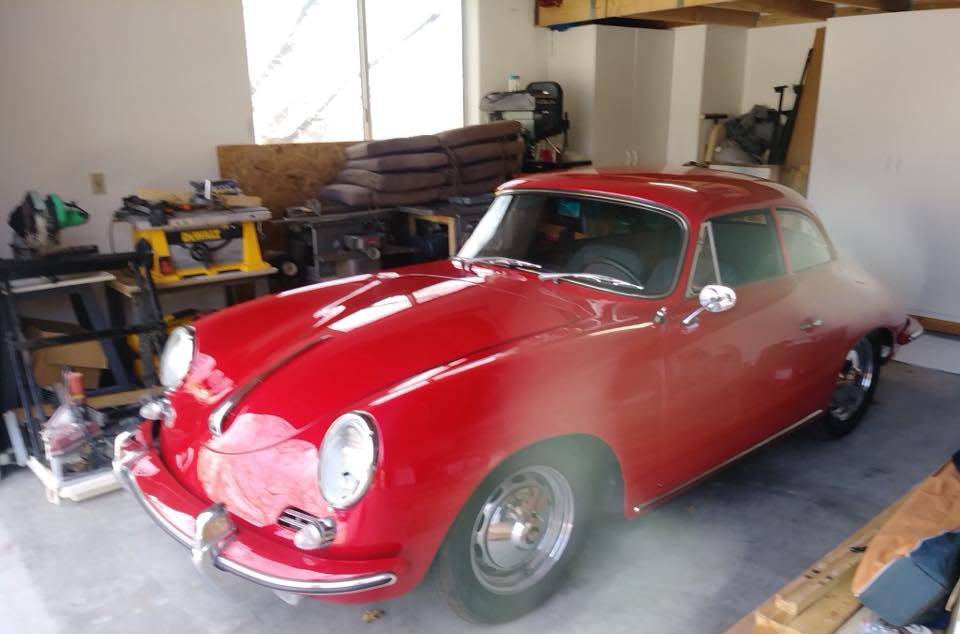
37, 223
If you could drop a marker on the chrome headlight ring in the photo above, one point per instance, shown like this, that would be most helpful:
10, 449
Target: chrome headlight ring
348, 459
177, 356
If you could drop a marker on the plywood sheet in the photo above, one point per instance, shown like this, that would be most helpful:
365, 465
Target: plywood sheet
801, 143
282, 174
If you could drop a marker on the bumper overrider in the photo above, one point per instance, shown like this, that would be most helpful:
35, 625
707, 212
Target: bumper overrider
218, 546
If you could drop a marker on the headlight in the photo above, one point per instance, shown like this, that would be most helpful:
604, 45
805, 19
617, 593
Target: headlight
176, 358
348, 457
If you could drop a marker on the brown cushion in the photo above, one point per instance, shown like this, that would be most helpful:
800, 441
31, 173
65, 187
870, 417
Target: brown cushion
357, 196
401, 162
501, 168
393, 181
486, 151
477, 133
392, 146
472, 189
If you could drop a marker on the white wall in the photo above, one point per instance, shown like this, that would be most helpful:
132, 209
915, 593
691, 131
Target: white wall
884, 155
774, 57
140, 90
500, 39
686, 94
616, 83
572, 61
651, 95
723, 73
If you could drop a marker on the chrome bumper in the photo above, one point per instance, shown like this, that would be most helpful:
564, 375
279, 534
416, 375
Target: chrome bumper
214, 530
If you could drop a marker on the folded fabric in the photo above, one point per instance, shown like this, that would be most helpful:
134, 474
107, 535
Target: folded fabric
357, 196
392, 146
477, 133
501, 168
392, 181
487, 151
400, 162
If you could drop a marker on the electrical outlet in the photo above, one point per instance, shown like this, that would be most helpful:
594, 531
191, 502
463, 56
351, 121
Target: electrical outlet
98, 183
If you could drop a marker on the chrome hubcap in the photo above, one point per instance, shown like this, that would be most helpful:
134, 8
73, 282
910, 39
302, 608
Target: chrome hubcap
854, 381
522, 529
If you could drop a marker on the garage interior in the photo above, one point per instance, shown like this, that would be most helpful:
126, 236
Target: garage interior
167, 163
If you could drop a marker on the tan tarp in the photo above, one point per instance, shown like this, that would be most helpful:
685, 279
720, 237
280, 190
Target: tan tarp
931, 509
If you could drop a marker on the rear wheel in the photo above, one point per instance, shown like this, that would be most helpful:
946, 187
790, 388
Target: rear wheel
853, 392
514, 542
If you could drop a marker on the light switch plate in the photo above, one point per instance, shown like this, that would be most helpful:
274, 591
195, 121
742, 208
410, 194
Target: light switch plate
98, 183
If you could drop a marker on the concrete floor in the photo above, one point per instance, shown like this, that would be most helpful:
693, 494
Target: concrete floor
695, 565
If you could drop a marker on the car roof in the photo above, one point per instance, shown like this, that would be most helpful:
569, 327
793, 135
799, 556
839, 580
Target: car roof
695, 192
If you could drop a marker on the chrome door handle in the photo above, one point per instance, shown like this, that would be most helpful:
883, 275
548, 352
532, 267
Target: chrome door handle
810, 325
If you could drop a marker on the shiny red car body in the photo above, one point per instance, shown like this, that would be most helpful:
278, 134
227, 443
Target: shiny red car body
463, 365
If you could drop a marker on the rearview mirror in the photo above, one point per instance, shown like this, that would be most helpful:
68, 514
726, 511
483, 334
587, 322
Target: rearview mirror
714, 299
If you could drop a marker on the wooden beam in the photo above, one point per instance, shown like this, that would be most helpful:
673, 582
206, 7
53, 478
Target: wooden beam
571, 11
780, 19
917, 5
703, 15
877, 5
799, 8
620, 8
845, 12
939, 325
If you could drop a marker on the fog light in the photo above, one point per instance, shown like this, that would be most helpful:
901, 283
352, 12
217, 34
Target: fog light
315, 535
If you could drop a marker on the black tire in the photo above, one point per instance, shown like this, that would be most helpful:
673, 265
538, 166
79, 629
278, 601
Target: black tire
837, 422
454, 568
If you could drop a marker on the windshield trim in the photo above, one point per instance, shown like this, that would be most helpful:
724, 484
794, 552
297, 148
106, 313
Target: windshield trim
629, 201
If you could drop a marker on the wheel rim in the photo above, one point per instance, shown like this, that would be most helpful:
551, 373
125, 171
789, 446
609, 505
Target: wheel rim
854, 381
522, 530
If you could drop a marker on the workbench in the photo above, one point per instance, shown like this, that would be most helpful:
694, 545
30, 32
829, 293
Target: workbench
459, 220
75, 276
126, 287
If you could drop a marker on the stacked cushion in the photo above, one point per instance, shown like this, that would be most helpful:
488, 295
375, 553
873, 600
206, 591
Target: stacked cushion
462, 162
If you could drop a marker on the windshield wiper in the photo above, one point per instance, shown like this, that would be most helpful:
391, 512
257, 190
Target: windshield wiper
593, 277
512, 263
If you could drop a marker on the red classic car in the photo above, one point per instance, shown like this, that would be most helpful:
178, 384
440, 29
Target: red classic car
605, 336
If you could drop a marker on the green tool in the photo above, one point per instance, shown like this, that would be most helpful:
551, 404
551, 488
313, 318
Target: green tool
37, 223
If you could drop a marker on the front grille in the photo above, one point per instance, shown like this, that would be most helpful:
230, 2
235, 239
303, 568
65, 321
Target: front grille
295, 519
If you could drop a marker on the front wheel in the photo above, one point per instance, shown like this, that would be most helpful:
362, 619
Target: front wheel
853, 392
515, 540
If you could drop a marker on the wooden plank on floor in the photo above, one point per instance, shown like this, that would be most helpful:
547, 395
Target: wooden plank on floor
939, 325
830, 612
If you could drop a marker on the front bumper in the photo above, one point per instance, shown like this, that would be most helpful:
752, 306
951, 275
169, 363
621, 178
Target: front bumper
218, 546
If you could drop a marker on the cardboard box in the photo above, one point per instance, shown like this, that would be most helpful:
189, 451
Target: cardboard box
240, 200
166, 195
85, 357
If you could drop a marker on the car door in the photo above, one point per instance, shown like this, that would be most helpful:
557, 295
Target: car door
821, 302
728, 375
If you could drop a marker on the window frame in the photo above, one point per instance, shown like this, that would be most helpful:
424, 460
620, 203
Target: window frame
708, 223
627, 201
783, 242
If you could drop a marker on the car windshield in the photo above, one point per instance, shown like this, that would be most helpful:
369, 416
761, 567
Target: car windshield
555, 233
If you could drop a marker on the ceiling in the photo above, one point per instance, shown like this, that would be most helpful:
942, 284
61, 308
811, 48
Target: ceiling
665, 14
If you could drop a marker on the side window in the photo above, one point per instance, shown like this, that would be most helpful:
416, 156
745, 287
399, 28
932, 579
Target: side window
737, 249
806, 247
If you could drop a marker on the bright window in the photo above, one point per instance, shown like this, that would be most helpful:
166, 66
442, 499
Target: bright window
308, 83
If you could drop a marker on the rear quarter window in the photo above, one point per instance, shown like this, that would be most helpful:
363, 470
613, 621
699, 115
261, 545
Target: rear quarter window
805, 244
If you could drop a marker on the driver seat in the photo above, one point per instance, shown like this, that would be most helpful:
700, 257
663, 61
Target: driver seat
608, 259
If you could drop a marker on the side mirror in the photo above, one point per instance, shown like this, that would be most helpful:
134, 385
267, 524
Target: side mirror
714, 299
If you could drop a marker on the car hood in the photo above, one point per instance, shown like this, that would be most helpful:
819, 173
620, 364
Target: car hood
304, 356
